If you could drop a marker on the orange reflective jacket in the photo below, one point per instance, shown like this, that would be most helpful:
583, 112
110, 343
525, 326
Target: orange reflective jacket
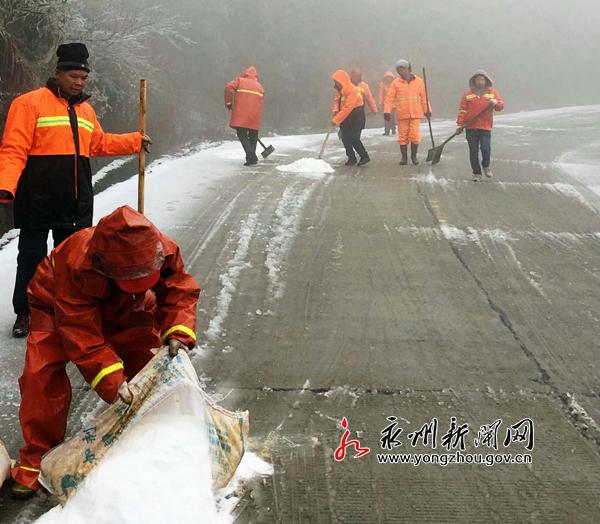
245, 96
472, 104
44, 158
408, 98
383, 88
69, 297
367, 96
351, 96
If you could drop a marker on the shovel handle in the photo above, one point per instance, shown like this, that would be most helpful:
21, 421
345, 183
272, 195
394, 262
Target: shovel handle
325, 143
142, 155
427, 102
473, 118
261, 143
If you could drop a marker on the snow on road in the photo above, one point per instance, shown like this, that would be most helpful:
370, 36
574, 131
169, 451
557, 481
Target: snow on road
307, 166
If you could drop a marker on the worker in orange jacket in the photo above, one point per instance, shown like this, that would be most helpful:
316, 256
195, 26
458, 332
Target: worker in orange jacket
356, 79
350, 116
102, 299
49, 137
244, 98
476, 115
407, 96
389, 126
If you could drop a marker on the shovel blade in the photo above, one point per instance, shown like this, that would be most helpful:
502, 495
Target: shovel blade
267, 151
435, 154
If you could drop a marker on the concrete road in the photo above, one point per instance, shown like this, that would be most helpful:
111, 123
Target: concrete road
414, 293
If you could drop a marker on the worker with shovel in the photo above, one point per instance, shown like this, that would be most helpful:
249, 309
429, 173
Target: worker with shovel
102, 300
476, 115
350, 117
356, 79
49, 137
407, 97
389, 125
244, 98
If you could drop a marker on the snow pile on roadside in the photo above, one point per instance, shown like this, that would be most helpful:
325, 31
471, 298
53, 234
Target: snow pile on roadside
307, 166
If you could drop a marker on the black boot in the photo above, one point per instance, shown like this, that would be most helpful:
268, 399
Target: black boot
364, 160
20, 492
350, 162
21, 326
413, 154
404, 151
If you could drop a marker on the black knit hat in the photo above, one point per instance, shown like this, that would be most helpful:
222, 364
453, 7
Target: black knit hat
72, 56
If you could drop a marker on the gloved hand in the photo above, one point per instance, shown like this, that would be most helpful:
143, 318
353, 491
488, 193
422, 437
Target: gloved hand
5, 195
428, 114
459, 130
493, 102
333, 124
387, 116
174, 346
373, 112
228, 106
125, 393
146, 142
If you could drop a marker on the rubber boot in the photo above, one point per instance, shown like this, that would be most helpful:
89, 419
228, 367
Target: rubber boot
21, 492
404, 151
413, 154
21, 326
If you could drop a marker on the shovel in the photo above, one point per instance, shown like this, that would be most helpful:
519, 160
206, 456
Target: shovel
435, 154
266, 150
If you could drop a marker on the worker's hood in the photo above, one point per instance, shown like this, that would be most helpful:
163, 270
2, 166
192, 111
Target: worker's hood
251, 72
480, 72
343, 78
125, 245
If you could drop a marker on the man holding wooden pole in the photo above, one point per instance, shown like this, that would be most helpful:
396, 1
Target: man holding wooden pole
49, 137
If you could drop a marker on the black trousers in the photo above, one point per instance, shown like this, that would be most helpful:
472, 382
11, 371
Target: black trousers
33, 247
352, 142
248, 138
479, 139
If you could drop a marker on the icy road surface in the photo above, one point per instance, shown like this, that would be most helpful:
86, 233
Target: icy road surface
381, 292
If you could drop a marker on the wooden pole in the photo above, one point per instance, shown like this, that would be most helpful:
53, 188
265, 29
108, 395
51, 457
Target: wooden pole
142, 157
325, 143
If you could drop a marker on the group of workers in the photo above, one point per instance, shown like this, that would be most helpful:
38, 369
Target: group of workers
403, 100
107, 295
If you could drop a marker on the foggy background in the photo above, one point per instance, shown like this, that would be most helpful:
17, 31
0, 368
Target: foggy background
541, 54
